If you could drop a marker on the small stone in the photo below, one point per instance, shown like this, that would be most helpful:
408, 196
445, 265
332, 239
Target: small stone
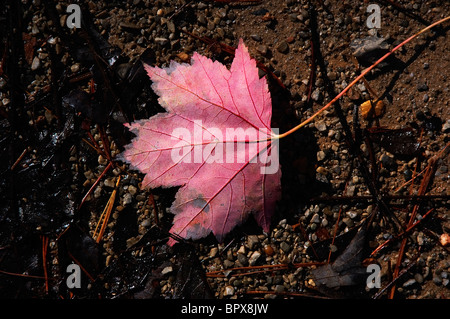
184, 56
285, 247
256, 37
320, 126
352, 214
127, 199
387, 161
444, 239
97, 192
211, 26
409, 283
109, 182
332, 76
160, 12
101, 160
407, 174
350, 190
243, 260
437, 280
146, 223
229, 291
315, 219
202, 19
422, 86
161, 41
348, 221
283, 47
420, 239
419, 278
171, 27
35, 64
279, 288
167, 270
89, 174
254, 258
262, 49
75, 67
446, 126
252, 240
132, 190
213, 252
316, 95
321, 155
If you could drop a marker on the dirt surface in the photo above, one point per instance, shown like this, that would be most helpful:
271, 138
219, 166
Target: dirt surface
351, 181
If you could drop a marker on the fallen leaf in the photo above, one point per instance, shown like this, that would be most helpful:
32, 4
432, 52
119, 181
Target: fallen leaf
214, 141
347, 269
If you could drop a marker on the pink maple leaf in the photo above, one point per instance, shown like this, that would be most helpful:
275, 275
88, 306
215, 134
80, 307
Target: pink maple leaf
215, 141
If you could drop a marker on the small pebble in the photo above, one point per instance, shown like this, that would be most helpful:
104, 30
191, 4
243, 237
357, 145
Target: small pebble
252, 240
409, 283
229, 291
285, 247
320, 126
75, 68
254, 258
213, 252
315, 219
109, 182
262, 49
283, 47
127, 199
35, 64
316, 95
167, 270
279, 288
422, 86
321, 155
132, 190
242, 259
256, 37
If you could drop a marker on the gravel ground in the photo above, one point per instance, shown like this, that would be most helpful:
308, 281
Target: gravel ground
318, 165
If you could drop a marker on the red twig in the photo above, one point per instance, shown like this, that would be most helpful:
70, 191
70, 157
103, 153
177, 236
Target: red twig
44, 260
422, 190
95, 184
408, 229
81, 266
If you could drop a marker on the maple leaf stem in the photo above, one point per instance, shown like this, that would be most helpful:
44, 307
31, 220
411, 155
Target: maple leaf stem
358, 78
